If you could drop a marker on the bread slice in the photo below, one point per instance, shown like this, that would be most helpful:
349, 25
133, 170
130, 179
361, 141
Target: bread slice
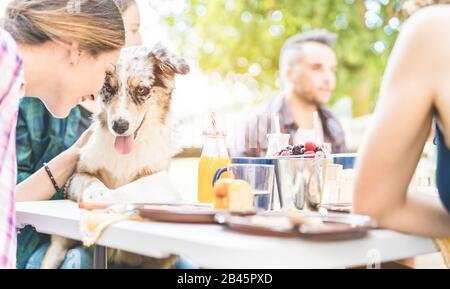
240, 196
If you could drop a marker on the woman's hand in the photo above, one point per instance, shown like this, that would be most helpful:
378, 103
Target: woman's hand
38, 187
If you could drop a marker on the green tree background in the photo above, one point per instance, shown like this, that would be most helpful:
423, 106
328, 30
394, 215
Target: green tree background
245, 36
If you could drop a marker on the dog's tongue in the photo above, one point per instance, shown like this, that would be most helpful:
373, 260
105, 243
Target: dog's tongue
124, 144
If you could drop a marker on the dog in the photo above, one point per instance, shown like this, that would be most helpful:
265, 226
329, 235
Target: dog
130, 135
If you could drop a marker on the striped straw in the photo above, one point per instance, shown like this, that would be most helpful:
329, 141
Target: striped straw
276, 122
213, 121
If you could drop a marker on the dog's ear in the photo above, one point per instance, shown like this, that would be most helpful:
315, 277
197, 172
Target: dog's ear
167, 61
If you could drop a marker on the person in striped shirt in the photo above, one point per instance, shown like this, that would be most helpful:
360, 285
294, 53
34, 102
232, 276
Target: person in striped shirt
61, 50
11, 88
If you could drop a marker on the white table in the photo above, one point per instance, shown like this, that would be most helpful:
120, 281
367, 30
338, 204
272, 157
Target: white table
212, 246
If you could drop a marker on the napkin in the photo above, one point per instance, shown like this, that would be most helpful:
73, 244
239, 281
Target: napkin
156, 188
444, 246
94, 223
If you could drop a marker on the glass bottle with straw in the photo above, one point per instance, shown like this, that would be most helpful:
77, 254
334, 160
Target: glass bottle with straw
277, 140
214, 156
318, 137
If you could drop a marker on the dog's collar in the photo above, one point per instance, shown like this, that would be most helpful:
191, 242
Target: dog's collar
139, 127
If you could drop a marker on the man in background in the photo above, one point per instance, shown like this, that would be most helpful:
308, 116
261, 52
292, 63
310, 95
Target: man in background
308, 73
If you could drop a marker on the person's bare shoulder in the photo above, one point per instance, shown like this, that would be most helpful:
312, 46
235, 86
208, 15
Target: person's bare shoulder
430, 25
423, 46
431, 15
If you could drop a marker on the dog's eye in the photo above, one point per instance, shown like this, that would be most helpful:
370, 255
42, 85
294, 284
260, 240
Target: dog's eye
109, 89
142, 90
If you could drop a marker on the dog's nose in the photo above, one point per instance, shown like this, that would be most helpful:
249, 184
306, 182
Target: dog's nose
120, 126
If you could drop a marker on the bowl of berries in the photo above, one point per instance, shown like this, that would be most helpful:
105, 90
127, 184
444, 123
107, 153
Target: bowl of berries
308, 150
300, 174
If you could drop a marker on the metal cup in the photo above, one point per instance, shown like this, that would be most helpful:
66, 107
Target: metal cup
300, 182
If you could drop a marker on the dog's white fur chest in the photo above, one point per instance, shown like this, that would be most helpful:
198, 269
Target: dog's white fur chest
152, 151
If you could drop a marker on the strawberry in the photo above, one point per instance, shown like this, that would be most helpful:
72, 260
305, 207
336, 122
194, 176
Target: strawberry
285, 154
310, 154
310, 146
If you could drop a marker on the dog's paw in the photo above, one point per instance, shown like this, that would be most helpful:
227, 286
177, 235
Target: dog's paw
97, 195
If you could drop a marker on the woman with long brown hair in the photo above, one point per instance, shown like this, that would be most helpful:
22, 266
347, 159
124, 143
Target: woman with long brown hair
40, 137
58, 50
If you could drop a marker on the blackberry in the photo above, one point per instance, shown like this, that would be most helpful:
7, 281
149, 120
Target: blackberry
297, 150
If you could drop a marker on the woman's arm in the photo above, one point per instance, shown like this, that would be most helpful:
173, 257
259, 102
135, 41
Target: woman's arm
402, 123
38, 187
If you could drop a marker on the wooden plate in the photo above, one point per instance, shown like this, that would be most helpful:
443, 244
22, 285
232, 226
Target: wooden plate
259, 225
344, 208
195, 213
322, 227
104, 206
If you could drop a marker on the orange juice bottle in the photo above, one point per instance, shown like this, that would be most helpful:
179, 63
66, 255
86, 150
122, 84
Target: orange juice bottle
214, 156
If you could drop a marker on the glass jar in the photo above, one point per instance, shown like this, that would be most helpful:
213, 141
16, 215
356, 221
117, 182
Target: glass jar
214, 156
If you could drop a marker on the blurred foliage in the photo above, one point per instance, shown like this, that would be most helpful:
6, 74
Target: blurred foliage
245, 36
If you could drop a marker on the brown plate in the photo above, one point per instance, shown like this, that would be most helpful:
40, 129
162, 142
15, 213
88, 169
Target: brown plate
104, 206
344, 208
192, 213
259, 225
306, 225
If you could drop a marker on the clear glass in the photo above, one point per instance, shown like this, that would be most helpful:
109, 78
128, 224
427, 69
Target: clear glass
261, 180
332, 184
346, 186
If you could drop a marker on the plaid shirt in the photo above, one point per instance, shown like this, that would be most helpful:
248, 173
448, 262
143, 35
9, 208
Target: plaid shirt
40, 137
252, 138
11, 89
